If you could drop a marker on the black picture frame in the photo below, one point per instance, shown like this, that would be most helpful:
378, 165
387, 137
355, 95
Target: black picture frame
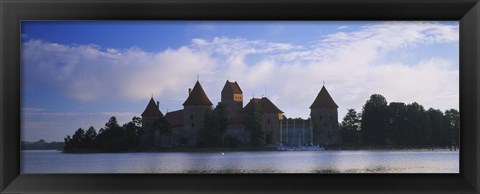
12, 12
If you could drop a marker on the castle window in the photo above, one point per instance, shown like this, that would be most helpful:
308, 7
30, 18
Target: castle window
268, 121
191, 117
193, 125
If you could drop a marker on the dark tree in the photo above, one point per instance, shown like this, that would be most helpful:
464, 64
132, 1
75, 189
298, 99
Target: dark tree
374, 120
253, 123
222, 119
437, 124
397, 123
214, 126
90, 137
79, 138
113, 137
163, 127
350, 127
205, 134
68, 143
77, 141
132, 132
113, 125
418, 125
452, 122
400, 124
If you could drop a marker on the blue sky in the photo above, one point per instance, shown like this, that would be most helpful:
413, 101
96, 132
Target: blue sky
78, 74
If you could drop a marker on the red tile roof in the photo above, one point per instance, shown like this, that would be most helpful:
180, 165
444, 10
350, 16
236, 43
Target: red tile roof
233, 86
175, 118
266, 106
152, 109
324, 100
197, 96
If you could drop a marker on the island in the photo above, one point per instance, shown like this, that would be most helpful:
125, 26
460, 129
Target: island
261, 125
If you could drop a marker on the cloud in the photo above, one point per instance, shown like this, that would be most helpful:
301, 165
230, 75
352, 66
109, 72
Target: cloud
199, 42
234, 46
291, 75
87, 73
351, 65
41, 123
392, 35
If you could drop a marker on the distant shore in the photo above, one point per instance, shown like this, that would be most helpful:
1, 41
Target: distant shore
179, 149
256, 149
396, 147
42, 145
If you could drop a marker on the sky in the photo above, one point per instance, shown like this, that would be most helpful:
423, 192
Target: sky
78, 74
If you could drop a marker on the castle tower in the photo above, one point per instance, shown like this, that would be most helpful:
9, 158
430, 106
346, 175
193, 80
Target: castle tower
324, 115
193, 112
232, 97
150, 115
272, 117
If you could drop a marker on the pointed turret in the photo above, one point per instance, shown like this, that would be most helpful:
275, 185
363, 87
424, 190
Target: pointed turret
197, 96
324, 100
150, 116
152, 109
324, 115
194, 109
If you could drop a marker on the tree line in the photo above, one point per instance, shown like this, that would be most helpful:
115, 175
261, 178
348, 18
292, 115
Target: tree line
396, 123
379, 124
41, 145
113, 137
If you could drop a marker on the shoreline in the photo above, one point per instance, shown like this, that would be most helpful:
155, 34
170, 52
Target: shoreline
178, 149
260, 149
430, 148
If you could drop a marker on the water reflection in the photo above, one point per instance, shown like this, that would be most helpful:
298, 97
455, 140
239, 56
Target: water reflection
244, 162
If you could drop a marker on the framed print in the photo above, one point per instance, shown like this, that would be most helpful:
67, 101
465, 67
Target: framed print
271, 96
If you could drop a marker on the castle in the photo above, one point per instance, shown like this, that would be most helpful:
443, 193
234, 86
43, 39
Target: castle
320, 129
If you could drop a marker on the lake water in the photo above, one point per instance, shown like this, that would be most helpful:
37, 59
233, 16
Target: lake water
49, 161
